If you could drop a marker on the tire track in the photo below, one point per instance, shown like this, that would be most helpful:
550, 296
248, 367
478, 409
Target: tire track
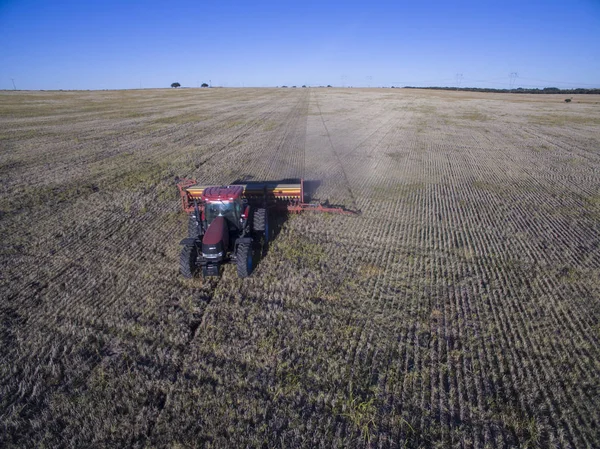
337, 157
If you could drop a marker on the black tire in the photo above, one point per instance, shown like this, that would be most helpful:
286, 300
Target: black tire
187, 261
267, 229
244, 260
259, 223
194, 229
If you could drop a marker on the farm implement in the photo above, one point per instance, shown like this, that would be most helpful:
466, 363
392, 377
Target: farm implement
225, 222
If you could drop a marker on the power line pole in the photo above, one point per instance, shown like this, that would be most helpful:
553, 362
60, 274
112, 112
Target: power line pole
513, 77
459, 77
13, 81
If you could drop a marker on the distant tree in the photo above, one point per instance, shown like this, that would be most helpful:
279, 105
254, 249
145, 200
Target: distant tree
284, 86
293, 87
175, 85
304, 85
329, 85
204, 85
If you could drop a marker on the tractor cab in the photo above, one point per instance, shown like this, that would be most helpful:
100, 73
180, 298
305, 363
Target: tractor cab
224, 202
231, 211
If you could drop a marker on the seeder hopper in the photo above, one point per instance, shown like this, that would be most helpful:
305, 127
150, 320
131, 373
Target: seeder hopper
225, 222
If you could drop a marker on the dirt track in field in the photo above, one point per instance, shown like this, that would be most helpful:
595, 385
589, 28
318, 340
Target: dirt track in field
460, 308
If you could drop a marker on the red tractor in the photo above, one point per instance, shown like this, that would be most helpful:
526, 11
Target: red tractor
225, 222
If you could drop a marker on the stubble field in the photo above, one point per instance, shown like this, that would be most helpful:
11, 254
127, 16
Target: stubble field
461, 309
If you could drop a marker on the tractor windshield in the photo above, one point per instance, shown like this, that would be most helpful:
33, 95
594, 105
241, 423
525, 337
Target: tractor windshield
230, 210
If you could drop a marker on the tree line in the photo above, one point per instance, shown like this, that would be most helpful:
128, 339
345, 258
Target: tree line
519, 90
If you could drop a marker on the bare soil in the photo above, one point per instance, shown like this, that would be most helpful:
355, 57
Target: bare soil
460, 309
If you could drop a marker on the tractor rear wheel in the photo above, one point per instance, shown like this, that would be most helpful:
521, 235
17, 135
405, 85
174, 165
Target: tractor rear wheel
244, 260
194, 229
187, 261
260, 220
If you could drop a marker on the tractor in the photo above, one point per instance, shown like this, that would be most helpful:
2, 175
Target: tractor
227, 222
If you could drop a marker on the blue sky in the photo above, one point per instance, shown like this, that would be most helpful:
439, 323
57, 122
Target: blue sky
131, 44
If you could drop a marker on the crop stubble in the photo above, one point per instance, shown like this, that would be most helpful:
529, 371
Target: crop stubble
461, 308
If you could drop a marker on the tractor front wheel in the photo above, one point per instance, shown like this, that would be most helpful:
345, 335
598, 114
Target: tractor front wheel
244, 260
187, 261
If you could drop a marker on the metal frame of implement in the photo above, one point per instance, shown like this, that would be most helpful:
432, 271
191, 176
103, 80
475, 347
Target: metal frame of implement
283, 197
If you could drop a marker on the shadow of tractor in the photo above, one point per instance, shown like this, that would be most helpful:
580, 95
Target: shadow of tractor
277, 216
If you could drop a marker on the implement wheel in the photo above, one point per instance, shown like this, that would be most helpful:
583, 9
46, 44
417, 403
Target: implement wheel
244, 260
187, 261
